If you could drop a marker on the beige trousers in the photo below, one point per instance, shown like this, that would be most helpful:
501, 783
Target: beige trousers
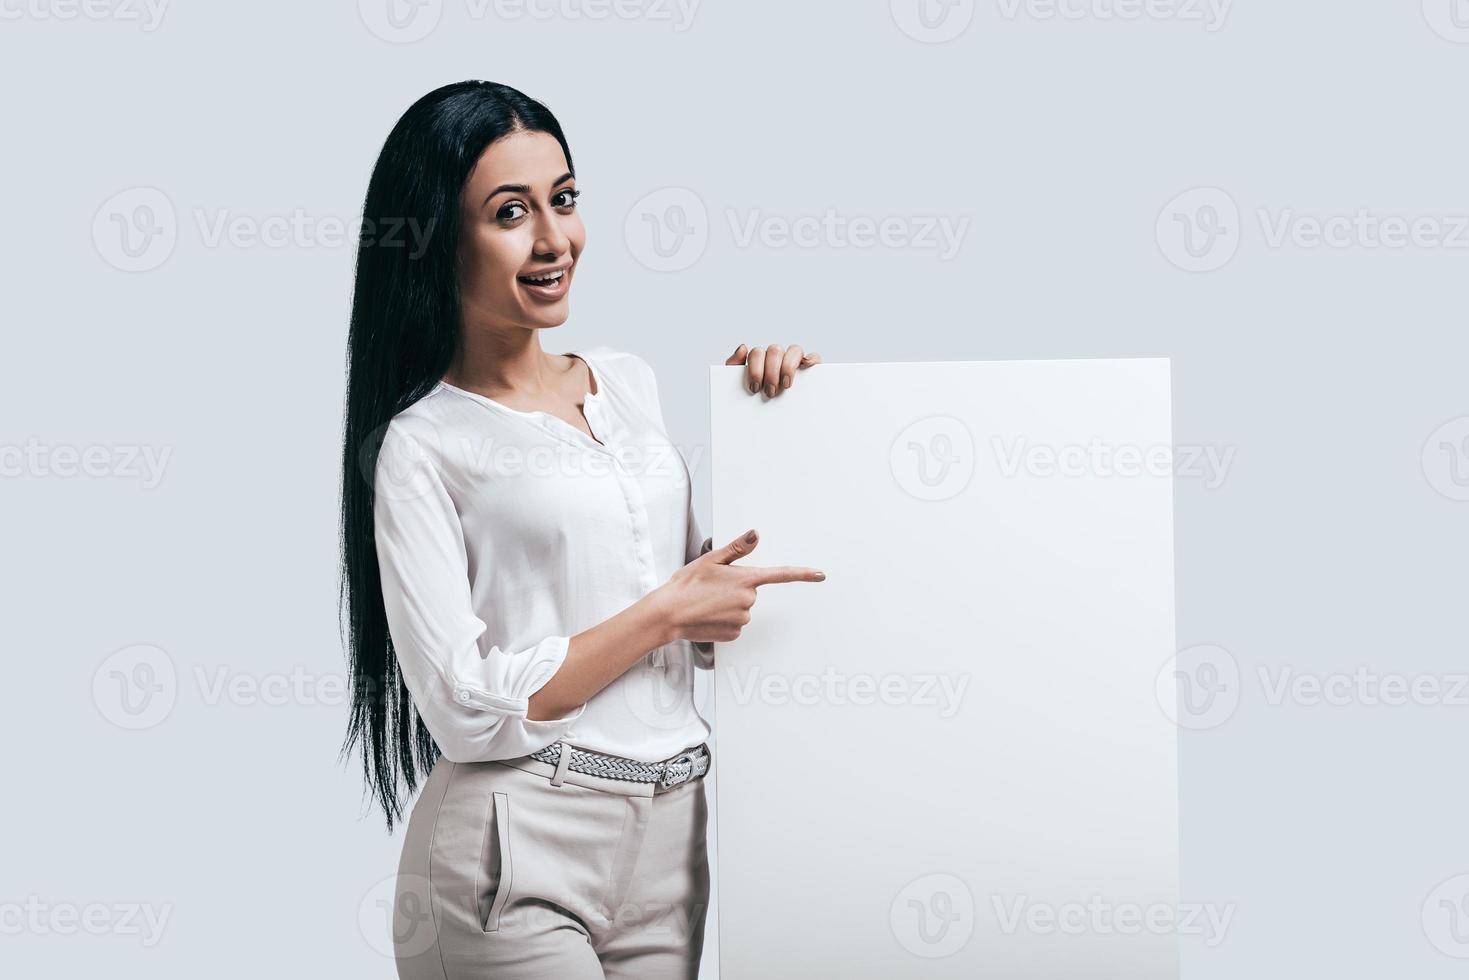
511, 870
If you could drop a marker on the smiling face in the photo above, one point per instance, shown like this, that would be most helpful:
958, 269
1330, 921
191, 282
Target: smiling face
519, 224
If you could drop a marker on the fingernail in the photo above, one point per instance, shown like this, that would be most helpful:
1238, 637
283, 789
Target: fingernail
770, 391
785, 382
821, 576
750, 538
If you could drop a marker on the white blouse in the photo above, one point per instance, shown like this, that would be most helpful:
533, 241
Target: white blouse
501, 534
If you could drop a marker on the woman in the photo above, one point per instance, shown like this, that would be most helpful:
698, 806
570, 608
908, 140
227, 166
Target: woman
523, 574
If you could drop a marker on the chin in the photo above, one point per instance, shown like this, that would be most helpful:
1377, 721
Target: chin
545, 319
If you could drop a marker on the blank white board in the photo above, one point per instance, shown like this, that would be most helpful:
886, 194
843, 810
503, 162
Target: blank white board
952, 757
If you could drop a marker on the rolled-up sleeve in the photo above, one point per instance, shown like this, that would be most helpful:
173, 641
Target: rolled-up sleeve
472, 695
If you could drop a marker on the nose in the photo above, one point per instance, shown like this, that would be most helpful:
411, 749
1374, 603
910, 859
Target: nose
551, 239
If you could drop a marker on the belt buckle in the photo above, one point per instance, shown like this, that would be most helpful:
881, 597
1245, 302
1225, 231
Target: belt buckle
685, 757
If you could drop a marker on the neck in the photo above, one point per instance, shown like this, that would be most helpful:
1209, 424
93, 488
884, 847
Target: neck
498, 361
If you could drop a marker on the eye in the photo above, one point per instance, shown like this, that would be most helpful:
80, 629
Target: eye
507, 212
567, 198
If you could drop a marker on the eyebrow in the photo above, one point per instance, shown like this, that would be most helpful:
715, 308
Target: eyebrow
522, 188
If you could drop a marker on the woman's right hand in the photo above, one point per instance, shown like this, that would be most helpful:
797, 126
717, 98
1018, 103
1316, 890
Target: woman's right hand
709, 599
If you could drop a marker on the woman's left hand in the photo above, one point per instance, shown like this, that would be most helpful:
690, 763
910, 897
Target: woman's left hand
772, 368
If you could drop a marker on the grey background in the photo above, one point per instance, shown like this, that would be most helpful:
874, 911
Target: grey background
1333, 543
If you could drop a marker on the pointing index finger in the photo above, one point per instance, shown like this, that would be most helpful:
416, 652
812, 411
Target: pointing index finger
784, 573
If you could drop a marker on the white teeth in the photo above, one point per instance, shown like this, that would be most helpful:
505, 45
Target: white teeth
554, 277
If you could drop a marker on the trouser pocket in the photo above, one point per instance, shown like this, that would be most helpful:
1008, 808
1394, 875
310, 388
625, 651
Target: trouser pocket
494, 876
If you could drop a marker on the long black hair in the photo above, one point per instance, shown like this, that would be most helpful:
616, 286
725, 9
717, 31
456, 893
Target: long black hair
403, 334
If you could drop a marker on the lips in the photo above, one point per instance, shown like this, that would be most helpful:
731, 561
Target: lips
550, 284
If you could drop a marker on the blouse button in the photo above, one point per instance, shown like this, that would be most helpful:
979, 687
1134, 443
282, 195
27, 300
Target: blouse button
462, 695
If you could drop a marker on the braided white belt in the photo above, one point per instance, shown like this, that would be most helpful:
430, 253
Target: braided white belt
690, 764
